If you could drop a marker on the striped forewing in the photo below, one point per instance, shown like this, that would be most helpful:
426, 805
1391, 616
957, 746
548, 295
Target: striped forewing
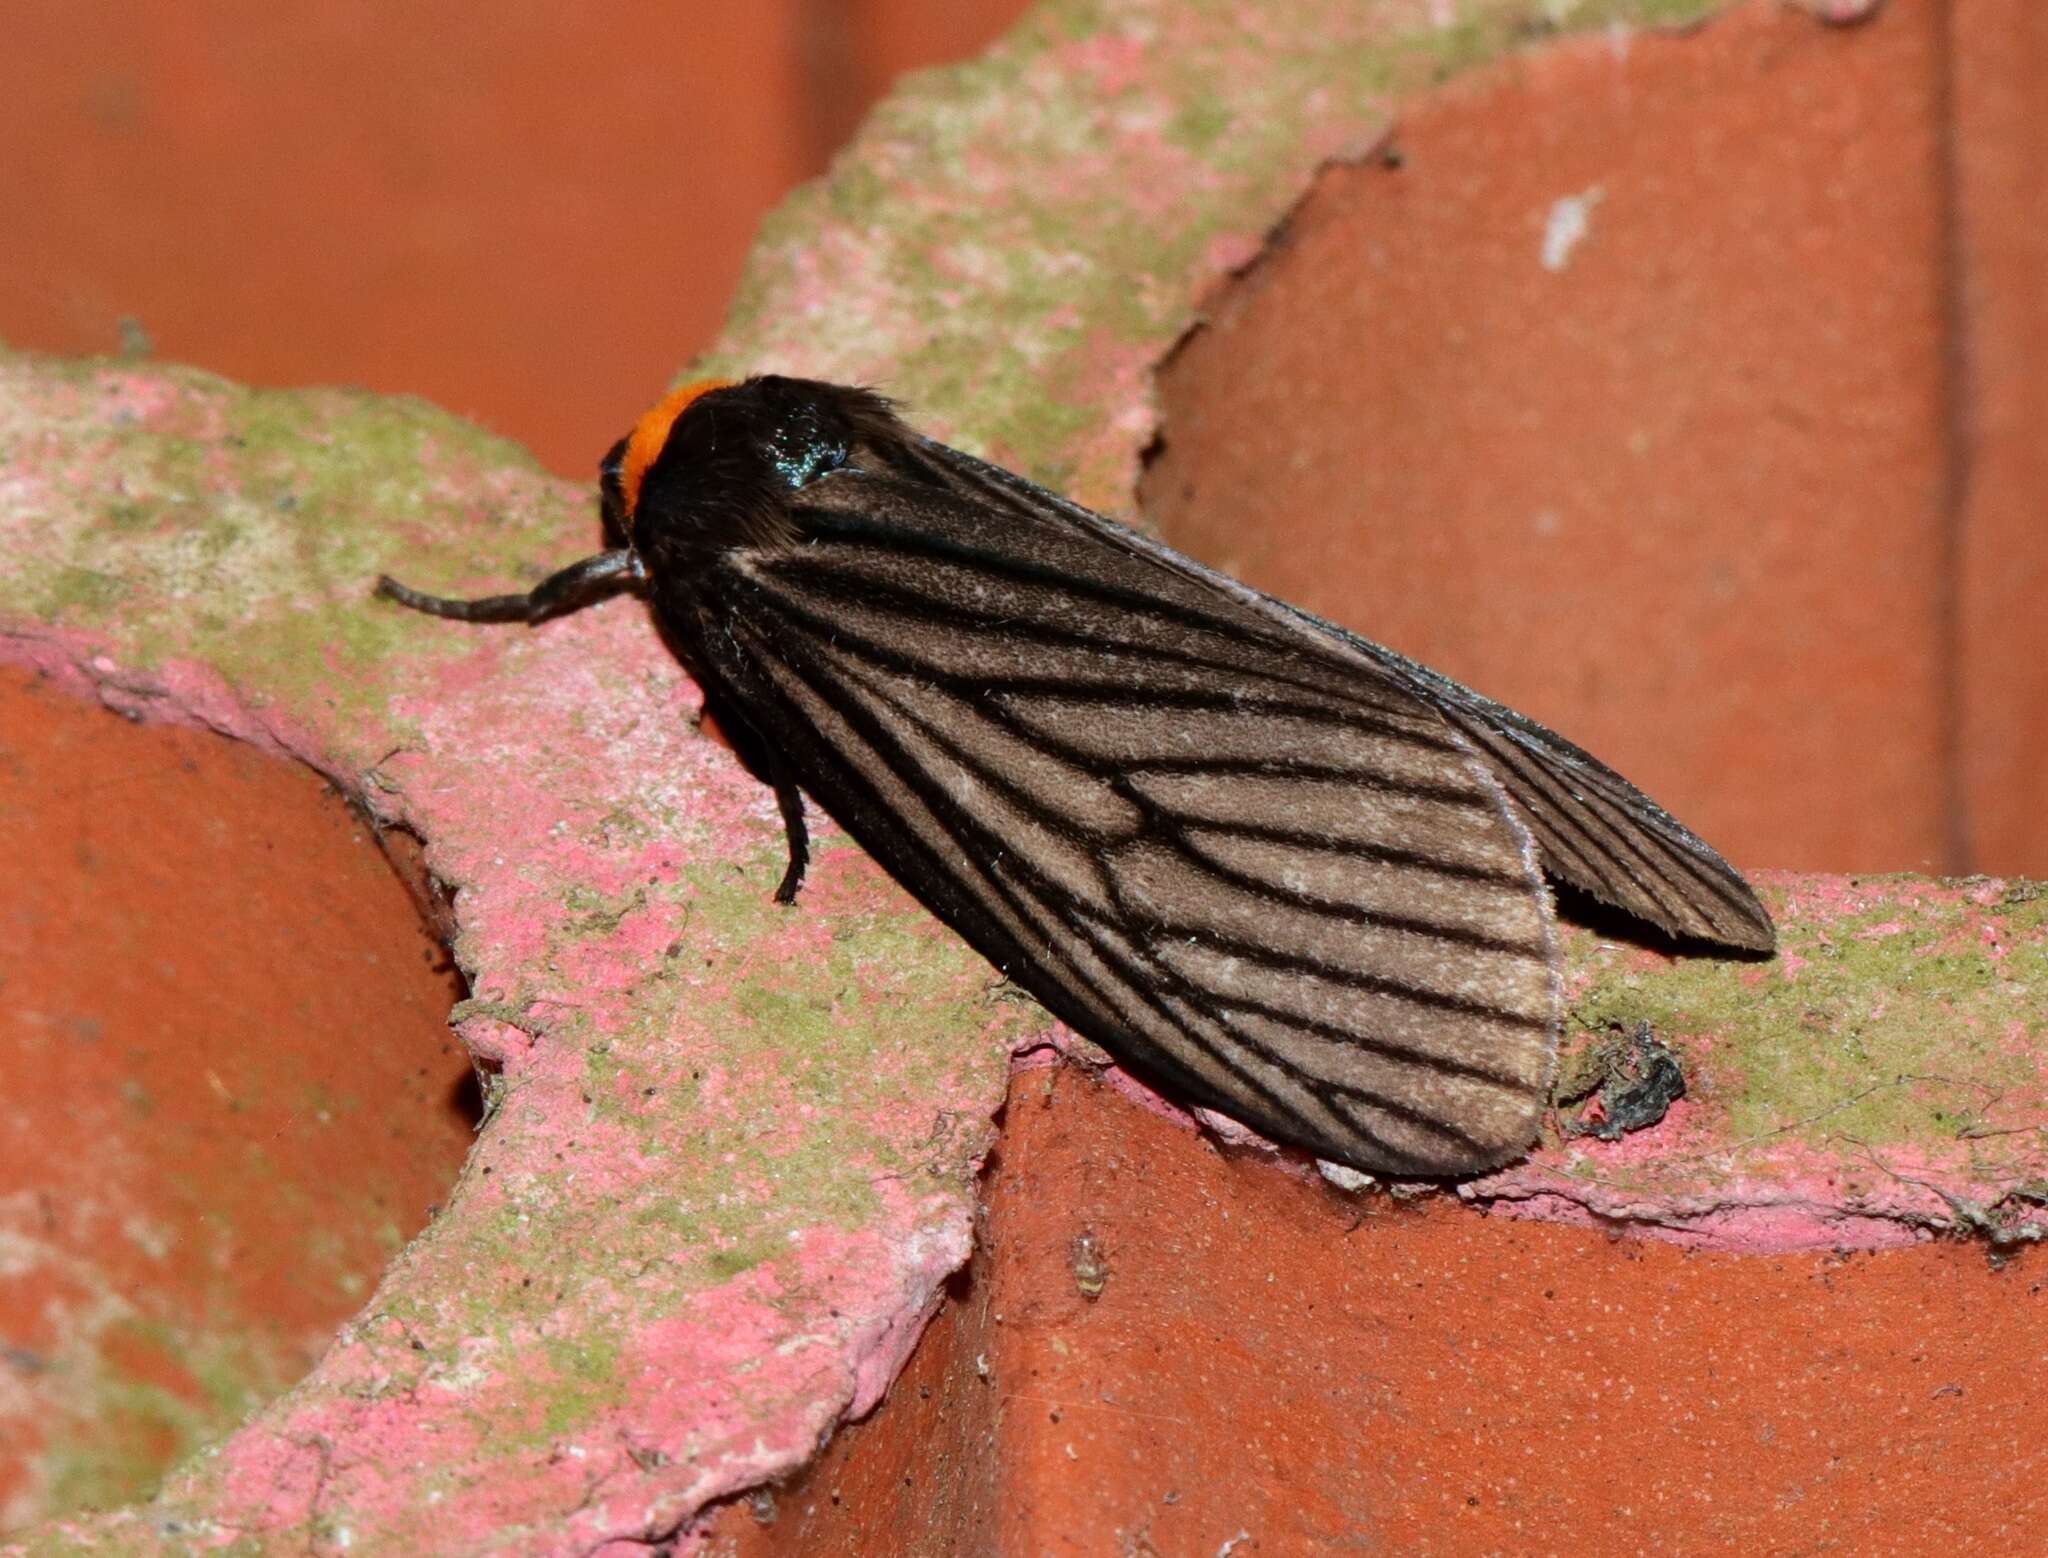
1592, 827
1277, 880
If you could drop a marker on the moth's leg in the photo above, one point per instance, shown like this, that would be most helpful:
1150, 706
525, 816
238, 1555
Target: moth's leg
791, 800
575, 586
767, 764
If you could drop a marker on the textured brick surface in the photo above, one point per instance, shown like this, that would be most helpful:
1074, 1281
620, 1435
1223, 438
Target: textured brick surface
230, 1094
1309, 1373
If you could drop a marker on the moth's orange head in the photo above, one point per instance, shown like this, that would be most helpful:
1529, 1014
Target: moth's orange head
625, 468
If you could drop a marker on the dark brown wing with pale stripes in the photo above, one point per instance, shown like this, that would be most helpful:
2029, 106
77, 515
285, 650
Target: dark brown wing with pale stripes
1275, 878
1593, 828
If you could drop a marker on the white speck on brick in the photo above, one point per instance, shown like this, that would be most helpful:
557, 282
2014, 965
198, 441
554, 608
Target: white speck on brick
1570, 219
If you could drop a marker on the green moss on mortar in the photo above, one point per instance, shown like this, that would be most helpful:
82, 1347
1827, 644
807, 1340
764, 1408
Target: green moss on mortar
598, 914
806, 1024
586, 1380
1882, 1037
245, 527
804, 1036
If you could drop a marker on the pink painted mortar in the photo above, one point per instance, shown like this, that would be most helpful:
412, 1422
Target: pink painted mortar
733, 1147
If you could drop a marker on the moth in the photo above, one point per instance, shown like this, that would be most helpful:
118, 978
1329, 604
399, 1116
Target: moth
1277, 869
